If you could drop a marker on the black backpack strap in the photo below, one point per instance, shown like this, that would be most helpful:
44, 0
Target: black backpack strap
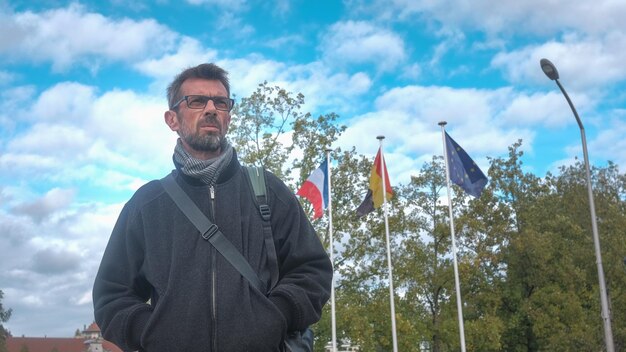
257, 180
210, 231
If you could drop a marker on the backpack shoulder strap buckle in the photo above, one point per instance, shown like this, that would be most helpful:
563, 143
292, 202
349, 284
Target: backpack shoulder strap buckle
266, 212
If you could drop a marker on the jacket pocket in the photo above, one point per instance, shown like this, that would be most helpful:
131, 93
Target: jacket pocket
252, 324
179, 322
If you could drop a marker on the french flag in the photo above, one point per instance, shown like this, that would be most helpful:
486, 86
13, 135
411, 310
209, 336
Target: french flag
315, 190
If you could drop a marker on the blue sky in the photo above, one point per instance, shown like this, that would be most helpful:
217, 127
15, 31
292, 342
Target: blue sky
82, 100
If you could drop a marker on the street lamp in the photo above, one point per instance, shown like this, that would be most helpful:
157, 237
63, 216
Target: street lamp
550, 70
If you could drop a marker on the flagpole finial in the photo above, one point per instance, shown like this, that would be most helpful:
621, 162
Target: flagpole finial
442, 123
381, 137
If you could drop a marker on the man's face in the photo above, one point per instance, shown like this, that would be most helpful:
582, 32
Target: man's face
202, 131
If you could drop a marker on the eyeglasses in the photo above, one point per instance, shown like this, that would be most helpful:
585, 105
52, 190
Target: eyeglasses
200, 101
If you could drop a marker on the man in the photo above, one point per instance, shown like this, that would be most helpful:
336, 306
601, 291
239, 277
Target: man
162, 287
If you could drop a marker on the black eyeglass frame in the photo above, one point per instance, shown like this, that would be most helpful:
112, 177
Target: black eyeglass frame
186, 99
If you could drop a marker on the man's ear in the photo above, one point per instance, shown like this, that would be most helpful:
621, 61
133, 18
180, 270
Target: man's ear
171, 120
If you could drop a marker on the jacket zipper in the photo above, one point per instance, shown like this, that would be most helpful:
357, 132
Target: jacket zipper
213, 277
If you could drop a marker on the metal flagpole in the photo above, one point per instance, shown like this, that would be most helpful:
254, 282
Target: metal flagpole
391, 295
330, 232
459, 303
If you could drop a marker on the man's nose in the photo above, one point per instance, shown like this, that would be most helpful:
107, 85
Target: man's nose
210, 114
210, 106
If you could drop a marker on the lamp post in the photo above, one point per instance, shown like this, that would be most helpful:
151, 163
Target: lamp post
550, 70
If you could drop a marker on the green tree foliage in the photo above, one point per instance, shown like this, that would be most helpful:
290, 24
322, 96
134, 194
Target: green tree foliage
259, 126
5, 314
526, 259
423, 269
259, 123
542, 267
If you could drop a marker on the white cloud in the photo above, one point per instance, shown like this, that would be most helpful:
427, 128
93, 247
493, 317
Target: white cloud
57, 141
231, 21
72, 35
549, 110
408, 117
64, 102
46, 274
33, 300
451, 39
12, 104
132, 125
120, 134
55, 261
582, 62
285, 42
469, 109
361, 42
54, 200
324, 89
189, 52
532, 16
413, 71
85, 298
6, 77
247, 72
282, 7
222, 3
609, 143
227, 14
24, 164
321, 87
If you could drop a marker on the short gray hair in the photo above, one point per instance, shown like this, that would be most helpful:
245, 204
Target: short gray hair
208, 71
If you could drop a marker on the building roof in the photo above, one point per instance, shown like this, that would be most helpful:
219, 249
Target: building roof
93, 328
47, 344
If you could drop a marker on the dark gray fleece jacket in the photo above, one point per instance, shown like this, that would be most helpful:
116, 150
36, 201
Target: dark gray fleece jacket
198, 301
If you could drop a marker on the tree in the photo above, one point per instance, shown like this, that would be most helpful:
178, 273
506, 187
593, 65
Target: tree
525, 254
260, 124
5, 314
423, 268
548, 284
609, 189
515, 192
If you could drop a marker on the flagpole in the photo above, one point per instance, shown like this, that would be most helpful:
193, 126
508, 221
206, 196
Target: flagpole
459, 303
330, 233
391, 291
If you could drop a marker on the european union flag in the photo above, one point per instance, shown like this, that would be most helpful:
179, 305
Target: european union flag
463, 170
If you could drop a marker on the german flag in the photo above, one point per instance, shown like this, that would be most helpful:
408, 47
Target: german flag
374, 197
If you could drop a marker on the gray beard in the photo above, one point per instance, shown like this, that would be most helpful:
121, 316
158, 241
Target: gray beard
206, 143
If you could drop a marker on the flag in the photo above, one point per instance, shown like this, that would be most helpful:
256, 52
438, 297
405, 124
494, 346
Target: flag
463, 170
374, 197
315, 189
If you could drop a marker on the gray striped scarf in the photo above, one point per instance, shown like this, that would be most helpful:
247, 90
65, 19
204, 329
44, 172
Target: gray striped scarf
205, 170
